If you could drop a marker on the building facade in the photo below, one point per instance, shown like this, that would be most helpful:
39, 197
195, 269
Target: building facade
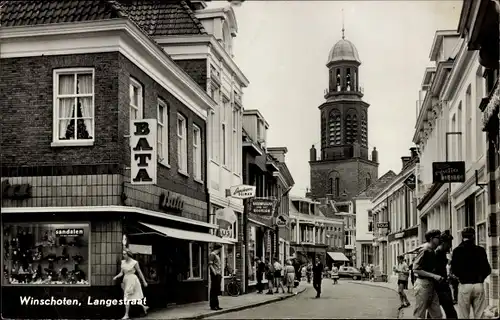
479, 28
207, 56
80, 203
344, 167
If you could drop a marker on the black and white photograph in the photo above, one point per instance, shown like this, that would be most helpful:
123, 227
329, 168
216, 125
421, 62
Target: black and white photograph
250, 159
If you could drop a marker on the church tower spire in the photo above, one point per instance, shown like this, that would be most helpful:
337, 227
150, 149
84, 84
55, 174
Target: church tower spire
343, 29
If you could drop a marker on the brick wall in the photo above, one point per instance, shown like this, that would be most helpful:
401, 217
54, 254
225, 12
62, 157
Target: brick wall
352, 176
196, 69
106, 251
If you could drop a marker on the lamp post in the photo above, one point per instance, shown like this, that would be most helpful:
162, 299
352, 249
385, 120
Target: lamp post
449, 183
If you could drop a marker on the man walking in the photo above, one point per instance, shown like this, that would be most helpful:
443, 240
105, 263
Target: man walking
403, 272
260, 268
426, 298
215, 277
469, 263
443, 288
317, 271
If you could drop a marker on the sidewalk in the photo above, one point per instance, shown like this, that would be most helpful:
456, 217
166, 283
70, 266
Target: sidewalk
201, 310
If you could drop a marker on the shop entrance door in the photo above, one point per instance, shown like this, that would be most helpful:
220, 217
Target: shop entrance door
171, 272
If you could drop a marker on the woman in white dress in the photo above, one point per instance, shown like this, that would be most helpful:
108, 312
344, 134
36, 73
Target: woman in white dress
131, 286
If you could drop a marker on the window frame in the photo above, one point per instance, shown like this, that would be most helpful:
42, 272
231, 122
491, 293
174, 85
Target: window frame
166, 131
224, 257
182, 147
226, 103
235, 143
197, 154
191, 276
56, 141
140, 108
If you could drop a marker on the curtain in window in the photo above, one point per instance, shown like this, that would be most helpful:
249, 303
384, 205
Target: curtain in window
85, 86
66, 105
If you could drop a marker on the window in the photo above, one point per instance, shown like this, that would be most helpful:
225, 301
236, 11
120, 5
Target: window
74, 106
197, 153
468, 126
481, 235
337, 187
460, 155
53, 253
162, 132
480, 212
236, 151
480, 136
136, 103
229, 259
224, 145
214, 136
181, 143
364, 131
335, 128
194, 260
252, 254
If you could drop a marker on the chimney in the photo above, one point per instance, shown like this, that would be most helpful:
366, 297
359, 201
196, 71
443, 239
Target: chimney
405, 160
414, 153
375, 155
312, 153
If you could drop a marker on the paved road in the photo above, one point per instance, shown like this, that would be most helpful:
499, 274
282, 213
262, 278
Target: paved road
344, 300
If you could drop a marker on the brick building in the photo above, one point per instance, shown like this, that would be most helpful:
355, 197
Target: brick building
74, 76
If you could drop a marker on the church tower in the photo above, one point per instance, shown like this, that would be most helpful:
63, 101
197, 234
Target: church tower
344, 167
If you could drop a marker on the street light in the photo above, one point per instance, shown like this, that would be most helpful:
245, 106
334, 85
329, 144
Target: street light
449, 183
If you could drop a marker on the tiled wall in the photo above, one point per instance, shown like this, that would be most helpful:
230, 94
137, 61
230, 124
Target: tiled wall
106, 251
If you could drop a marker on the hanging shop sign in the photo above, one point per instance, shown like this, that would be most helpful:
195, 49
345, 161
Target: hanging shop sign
143, 151
381, 225
448, 172
141, 249
241, 192
410, 182
15, 191
69, 232
262, 207
169, 202
282, 220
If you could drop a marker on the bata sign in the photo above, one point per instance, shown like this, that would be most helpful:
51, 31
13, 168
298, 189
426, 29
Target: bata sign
143, 151
242, 192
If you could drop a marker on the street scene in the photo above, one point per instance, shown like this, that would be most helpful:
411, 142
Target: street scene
233, 159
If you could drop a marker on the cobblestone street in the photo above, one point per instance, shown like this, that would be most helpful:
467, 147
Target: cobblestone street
345, 300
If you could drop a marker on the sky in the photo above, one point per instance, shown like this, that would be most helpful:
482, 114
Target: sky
282, 48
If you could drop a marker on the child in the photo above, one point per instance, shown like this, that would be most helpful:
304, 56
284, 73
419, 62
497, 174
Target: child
335, 274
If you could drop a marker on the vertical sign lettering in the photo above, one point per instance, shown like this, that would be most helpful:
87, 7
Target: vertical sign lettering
143, 151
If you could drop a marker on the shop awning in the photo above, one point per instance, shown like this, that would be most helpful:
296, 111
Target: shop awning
186, 235
337, 256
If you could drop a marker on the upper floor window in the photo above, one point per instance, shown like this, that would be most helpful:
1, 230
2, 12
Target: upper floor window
337, 187
182, 143
236, 158
162, 132
197, 152
136, 100
74, 106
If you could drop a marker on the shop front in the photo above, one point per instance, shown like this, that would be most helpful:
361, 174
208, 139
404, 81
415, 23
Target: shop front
259, 246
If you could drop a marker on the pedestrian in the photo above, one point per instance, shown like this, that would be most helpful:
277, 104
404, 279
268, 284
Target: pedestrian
317, 271
269, 276
426, 298
362, 269
298, 272
443, 288
453, 282
469, 263
335, 274
215, 277
403, 272
278, 276
260, 269
309, 272
412, 274
290, 276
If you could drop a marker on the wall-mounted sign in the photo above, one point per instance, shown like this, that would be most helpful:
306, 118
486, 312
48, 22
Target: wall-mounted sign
225, 232
15, 191
382, 224
399, 235
448, 172
282, 220
241, 192
143, 151
69, 232
169, 202
141, 249
410, 182
262, 207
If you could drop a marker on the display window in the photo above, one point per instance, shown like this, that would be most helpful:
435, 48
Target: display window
229, 259
46, 253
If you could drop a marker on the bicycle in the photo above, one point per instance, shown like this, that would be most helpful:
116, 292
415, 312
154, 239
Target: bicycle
233, 287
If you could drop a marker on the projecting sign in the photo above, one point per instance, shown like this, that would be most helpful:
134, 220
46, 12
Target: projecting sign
262, 207
242, 192
282, 220
410, 182
143, 151
383, 225
448, 172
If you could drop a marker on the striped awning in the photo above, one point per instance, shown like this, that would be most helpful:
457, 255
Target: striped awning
338, 256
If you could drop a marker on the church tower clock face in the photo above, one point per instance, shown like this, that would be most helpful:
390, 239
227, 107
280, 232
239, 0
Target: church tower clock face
345, 165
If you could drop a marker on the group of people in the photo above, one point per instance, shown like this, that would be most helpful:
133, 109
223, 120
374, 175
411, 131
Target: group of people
435, 274
277, 276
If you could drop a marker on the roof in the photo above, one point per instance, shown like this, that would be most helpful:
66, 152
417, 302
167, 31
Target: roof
343, 50
156, 18
374, 188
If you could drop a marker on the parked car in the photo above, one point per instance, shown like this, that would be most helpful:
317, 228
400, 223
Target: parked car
350, 272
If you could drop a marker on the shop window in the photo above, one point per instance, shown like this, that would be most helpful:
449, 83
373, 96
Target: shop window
229, 259
252, 254
46, 253
74, 105
194, 260
481, 235
480, 212
150, 266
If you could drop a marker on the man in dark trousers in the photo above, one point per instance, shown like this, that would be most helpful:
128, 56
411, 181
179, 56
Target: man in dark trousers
260, 270
469, 263
215, 277
317, 271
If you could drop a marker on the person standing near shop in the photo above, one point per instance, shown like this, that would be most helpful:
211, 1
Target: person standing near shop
469, 263
317, 271
278, 276
426, 297
403, 272
269, 276
215, 277
260, 268
443, 287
